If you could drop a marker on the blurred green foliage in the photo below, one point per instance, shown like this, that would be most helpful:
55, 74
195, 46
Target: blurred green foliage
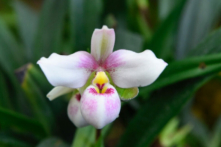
185, 33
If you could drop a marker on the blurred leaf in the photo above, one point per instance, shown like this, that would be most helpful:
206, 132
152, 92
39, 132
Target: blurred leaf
184, 69
128, 40
9, 141
163, 38
210, 45
9, 49
156, 112
52, 142
49, 31
196, 22
37, 101
4, 97
27, 22
84, 137
215, 140
84, 16
21, 122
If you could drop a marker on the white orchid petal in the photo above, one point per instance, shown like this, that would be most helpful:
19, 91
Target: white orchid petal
129, 69
100, 109
69, 71
58, 91
102, 43
74, 112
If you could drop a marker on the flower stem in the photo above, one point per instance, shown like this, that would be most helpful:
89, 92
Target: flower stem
98, 134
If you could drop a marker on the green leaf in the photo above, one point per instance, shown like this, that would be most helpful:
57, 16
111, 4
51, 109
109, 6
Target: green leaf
198, 18
9, 49
162, 41
35, 98
49, 33
215, 140
4, 96
210, 45
157, 111
27, 23
84, 16
20, 122
53, 142
184, 69
128, 40
10, 141
84, 137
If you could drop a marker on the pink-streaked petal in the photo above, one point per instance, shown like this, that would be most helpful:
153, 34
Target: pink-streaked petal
58, 91
68, 70
100, 109
129, 69
74, 112
102, 43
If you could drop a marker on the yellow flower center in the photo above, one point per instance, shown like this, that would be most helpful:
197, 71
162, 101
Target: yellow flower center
100, 82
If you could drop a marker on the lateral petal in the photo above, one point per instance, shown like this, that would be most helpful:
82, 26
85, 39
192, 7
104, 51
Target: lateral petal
100, 109
129, 69
102, 43
74, 112
58, 91
68, 70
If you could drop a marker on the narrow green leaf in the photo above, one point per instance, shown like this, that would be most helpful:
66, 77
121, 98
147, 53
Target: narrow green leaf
210, 45
196, 22
84, 16
215, 140
162, 40
53, 142
49, 32
21, 122
184, 69
128, 40
10, 141
84, 137
4, 97
157, 111
37, 100
9, 49
27, 22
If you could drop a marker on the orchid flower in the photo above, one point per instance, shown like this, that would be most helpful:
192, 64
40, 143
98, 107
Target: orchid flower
98, 103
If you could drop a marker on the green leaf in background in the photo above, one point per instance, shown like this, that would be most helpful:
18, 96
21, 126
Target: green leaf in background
128, 40
184, 69
9, 141
10, 50
199, 16
49, 31
156, 112
21, 122
36, 99
27, 22
53, 142
210, 45
4, 96
126, 94
84, 137
84, 16
215, 140
162, 40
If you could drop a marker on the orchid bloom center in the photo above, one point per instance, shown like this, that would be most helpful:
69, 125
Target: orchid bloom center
100, 82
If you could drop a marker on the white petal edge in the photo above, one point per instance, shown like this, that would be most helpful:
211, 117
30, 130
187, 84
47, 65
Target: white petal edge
129, 69
68, 70
100, 109
74, 112
102, 43
58, 91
